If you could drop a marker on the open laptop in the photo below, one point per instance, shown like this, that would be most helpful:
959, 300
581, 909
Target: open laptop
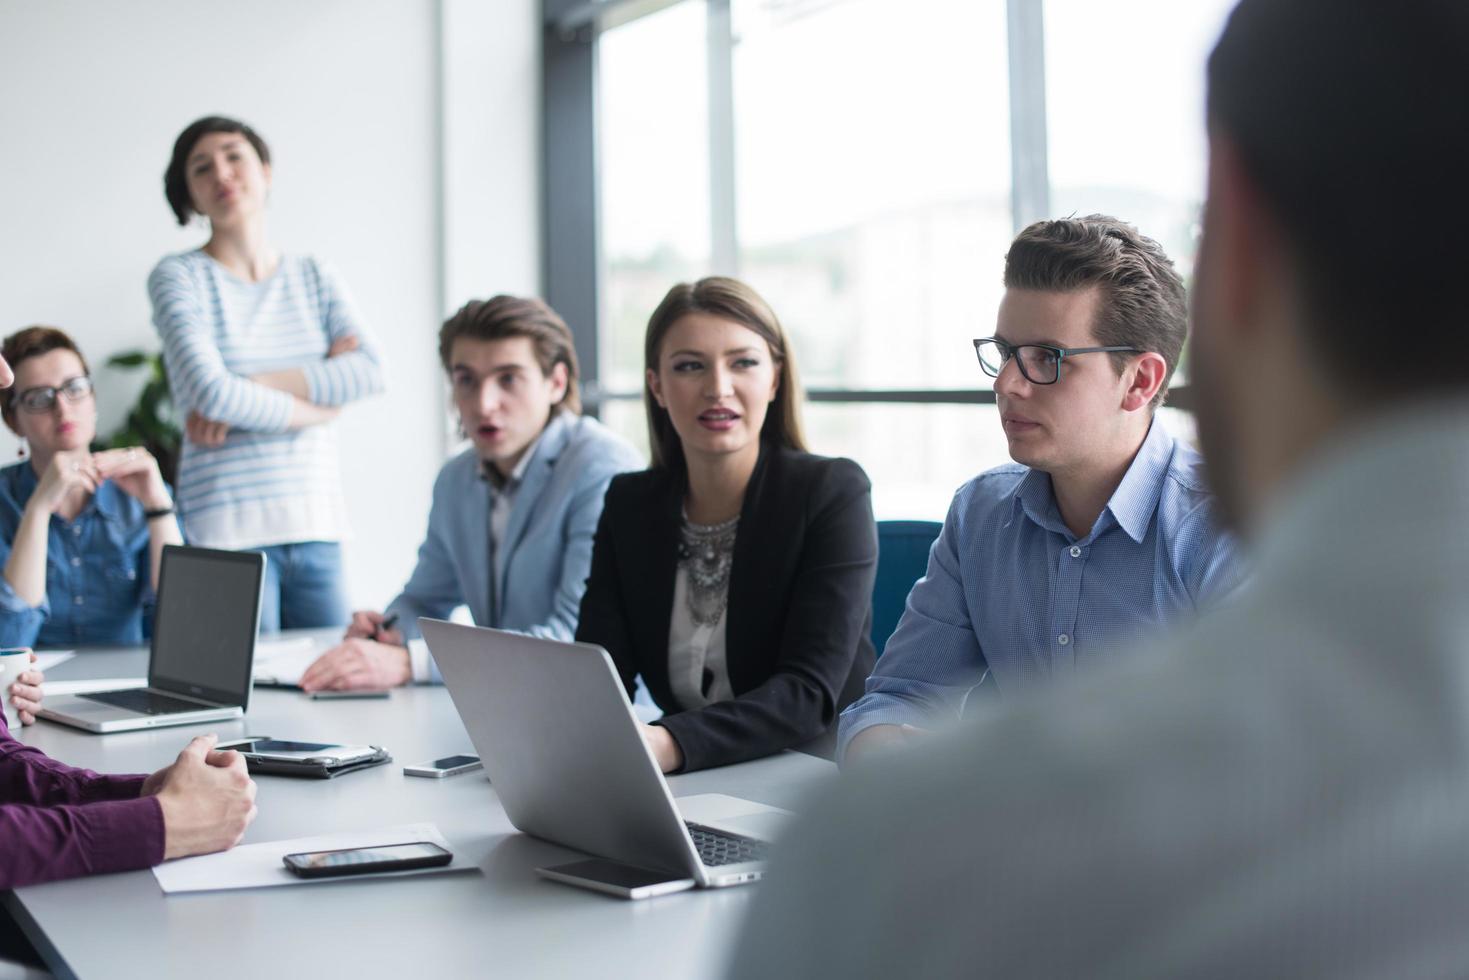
203, 648
561, 744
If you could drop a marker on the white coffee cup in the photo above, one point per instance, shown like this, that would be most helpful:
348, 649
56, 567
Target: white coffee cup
14, 661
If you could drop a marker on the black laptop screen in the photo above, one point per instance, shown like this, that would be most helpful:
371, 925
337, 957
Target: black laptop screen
204, 628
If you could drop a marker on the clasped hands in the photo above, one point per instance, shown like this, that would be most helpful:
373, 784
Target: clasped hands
134, 471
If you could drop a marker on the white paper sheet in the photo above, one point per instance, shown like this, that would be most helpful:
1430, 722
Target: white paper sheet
282, 662
54, 688
50, 658
259, 865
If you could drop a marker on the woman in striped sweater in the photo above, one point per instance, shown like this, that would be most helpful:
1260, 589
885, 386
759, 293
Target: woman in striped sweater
262, 351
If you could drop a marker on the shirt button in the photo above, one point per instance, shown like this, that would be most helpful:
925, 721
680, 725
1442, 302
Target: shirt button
1075, 551
1063, 639
78, 600
76, 562
77, 530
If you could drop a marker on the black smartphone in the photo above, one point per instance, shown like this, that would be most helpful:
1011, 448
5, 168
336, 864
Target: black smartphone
615, 878
366, 860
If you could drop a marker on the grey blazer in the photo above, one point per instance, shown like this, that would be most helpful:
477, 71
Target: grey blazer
541, 567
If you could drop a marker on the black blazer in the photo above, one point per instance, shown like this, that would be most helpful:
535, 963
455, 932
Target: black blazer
799, 616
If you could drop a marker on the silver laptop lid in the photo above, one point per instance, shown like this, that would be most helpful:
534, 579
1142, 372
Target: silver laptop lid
205, 625
561, 744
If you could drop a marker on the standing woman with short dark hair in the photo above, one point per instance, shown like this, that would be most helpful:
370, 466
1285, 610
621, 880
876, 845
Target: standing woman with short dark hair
262, 349
736, 574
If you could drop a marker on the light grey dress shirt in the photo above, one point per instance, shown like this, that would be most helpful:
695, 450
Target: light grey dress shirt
1280, 791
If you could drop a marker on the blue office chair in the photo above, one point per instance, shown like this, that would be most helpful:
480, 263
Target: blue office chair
902, 558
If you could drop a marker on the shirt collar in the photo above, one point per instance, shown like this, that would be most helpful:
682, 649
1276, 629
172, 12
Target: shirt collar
1136, 497
1034, 496
1132, 503
111, 502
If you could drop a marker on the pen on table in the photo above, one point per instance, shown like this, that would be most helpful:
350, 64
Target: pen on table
384, 626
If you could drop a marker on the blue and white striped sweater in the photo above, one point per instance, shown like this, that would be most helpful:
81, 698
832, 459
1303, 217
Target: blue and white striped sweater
267, 484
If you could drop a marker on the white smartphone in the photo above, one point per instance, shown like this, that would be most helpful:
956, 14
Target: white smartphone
622, 880
449, 765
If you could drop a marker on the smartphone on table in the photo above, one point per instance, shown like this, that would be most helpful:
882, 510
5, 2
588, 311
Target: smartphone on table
449, 765
367, 860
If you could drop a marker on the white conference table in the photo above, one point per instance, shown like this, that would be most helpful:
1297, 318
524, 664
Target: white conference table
501, 920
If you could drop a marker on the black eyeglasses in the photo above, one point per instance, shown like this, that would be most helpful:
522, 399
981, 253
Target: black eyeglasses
1039, 363
38, 401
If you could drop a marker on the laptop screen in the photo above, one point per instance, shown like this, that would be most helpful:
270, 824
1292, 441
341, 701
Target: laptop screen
205, 625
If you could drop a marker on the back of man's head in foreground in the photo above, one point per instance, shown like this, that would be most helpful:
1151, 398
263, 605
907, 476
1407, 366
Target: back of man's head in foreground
1329, 280
1351, 119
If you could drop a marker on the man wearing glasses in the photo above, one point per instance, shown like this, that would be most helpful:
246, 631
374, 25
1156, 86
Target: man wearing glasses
1101, 529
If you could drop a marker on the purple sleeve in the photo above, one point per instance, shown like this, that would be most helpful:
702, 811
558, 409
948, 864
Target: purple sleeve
60, 822
28, 776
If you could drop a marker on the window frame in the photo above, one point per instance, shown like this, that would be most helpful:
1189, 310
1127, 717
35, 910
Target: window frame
572, 258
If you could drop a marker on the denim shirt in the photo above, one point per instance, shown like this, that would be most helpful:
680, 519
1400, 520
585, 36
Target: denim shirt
1012, 593
98, 583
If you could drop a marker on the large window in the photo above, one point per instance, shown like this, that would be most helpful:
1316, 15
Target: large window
654, 154
1125, 112
852, 160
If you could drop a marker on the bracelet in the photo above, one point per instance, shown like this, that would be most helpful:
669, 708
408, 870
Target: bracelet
160, 512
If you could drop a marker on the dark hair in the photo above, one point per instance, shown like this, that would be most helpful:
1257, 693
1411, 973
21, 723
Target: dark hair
176, 180
728, 299
25, 344
1351, 120
1143, 301
515, 316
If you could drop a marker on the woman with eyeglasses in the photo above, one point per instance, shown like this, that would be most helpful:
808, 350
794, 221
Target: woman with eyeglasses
81, 533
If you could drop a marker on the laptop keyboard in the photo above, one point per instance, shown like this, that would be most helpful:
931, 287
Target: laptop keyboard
145, 701
717, 848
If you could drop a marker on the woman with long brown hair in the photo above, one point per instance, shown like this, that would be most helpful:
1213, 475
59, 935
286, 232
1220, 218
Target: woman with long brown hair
734, 575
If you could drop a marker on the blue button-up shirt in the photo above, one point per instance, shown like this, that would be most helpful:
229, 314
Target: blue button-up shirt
1012, 592
98, 583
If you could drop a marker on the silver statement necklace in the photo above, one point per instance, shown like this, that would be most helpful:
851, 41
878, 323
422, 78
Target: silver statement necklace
706, 553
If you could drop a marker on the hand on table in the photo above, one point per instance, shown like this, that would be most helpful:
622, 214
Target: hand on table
359, 664
207, 797
368, 624
664, 746
25, 693
879, 738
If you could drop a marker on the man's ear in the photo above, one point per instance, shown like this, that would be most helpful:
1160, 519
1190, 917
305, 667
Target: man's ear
559, 382
1147, 374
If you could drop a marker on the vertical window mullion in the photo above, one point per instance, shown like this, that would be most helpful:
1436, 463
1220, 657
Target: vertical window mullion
724, 236
1030, 184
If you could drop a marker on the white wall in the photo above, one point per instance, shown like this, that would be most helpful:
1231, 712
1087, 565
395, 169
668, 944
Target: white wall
350, 95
